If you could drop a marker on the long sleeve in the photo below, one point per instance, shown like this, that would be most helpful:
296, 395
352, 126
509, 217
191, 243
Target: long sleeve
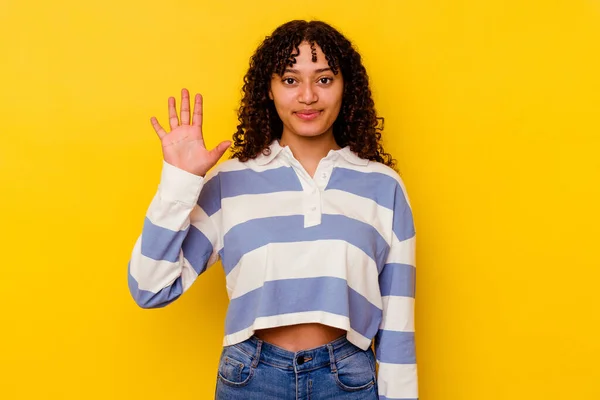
395, 340
180, 237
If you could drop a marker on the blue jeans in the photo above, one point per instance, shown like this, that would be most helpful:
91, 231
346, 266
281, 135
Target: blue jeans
257, 370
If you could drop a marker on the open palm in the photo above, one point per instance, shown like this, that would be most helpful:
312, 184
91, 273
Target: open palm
183, 147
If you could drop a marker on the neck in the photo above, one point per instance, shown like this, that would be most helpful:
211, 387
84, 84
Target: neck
309, 149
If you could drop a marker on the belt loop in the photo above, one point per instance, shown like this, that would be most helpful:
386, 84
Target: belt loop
256, 357
331, 358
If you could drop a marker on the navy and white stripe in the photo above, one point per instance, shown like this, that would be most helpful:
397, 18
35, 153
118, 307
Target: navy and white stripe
336, 248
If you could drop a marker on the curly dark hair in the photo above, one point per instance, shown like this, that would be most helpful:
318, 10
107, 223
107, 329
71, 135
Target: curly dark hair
357, 124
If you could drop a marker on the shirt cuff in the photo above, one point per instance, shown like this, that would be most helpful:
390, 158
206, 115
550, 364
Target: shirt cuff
179, 185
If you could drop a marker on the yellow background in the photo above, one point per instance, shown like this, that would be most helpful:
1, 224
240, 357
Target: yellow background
491, 107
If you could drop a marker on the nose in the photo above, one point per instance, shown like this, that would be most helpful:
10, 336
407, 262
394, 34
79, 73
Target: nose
307, 94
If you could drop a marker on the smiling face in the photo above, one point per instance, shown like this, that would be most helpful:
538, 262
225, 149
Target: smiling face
308, 96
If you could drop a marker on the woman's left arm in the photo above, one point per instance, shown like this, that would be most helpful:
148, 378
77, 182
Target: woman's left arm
395, 341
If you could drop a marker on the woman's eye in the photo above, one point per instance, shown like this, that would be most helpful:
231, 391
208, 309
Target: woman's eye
289, 81
325, 80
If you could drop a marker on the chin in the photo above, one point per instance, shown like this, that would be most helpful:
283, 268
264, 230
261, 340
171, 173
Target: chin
310, 132
310, 135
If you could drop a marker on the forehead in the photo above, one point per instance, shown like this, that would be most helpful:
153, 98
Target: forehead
304, 57
311, 52
308, 57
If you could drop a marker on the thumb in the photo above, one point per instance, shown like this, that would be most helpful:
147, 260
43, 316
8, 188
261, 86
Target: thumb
221, 148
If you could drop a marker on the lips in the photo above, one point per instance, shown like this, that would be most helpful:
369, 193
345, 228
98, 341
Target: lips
308, 114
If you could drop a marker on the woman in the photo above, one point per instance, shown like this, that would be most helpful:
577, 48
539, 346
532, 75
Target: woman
311, 223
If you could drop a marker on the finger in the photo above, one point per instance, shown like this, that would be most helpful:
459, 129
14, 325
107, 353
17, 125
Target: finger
198, 110
157, 128
173, 120
185, 107
221, 148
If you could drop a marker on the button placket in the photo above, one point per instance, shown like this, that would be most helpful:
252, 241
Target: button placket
312, 207
312, 186
323, 173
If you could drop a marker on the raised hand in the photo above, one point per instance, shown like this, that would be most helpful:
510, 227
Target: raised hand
183, 147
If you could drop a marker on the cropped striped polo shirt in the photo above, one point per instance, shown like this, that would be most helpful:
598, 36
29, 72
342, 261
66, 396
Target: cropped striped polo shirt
337, 248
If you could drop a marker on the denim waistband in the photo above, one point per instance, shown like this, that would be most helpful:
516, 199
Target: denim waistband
302, 360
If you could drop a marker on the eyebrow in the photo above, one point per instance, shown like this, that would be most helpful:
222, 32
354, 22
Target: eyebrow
317, 71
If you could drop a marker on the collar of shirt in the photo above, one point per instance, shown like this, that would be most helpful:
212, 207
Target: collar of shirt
276, 149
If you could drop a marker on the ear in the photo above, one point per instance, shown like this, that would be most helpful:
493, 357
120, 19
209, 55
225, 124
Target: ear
270, 94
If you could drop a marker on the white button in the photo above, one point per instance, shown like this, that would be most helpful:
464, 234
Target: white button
323, 175
313, 208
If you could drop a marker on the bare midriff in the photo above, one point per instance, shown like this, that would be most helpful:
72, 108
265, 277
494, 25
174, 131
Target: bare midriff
300, 336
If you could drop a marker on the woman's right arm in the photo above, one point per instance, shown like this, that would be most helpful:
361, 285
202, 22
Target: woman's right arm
180, 238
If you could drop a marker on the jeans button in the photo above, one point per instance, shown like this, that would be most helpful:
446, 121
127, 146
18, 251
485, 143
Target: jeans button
300, 360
